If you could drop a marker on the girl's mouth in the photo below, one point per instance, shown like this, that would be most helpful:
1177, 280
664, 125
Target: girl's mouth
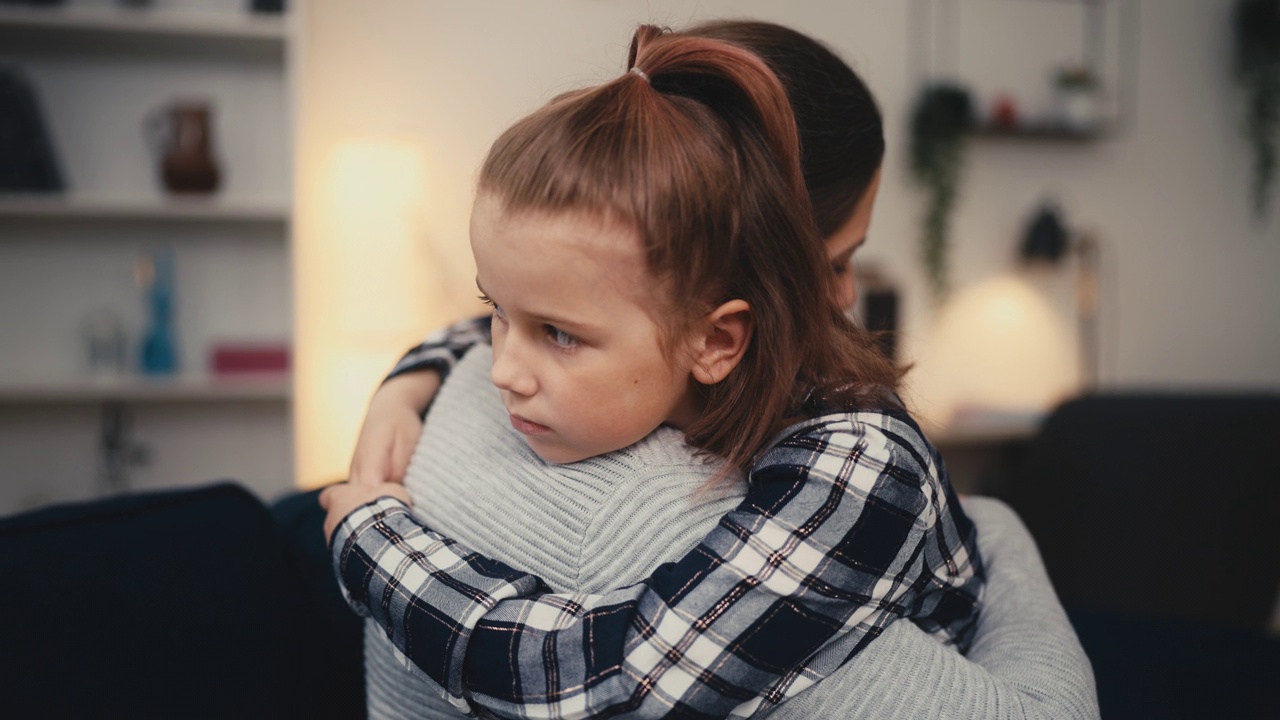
527, 427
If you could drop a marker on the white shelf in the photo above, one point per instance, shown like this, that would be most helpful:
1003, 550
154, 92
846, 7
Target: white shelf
134, 389
155, 207
127, 22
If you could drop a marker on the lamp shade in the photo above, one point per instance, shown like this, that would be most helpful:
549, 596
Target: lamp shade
996, 345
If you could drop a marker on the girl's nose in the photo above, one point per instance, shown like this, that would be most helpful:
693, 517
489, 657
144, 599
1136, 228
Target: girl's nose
510, 372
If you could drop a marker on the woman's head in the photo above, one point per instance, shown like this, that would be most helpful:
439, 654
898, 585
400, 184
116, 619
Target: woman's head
691, 160
841, 132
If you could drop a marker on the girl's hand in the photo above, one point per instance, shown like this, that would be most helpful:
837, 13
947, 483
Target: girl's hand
340, 499
391, 429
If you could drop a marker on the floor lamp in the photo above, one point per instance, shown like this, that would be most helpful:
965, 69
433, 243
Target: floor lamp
1048, 241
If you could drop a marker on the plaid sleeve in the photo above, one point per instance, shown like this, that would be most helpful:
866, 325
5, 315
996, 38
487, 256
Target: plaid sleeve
845, 529
440, 350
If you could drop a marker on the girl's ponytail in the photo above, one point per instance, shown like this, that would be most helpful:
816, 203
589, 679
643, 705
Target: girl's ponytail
729, 80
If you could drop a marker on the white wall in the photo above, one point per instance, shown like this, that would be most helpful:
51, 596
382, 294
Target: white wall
1188, 300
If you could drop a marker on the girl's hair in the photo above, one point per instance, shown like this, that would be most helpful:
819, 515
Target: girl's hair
696, 149
841, 133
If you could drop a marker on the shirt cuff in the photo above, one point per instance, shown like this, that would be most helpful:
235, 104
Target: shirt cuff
427, 591
345, 537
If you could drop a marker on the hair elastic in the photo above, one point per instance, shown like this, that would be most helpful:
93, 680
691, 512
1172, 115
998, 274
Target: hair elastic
640, 72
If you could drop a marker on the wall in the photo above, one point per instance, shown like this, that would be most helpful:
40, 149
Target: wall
1188, 294
1188, 300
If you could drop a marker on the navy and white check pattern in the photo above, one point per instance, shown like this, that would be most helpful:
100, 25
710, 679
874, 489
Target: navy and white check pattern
441, 350
849, 524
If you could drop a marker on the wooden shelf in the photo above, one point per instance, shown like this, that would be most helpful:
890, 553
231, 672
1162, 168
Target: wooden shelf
1047, 132
133, 23
136, 389
985, 428
155, 207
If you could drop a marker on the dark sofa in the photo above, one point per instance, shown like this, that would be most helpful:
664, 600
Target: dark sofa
1158, 517
186, 604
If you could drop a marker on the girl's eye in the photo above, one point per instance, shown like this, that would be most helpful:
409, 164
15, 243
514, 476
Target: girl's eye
560, 338
497, 309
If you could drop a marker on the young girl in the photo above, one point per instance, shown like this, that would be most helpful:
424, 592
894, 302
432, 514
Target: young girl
649, 251
842, 143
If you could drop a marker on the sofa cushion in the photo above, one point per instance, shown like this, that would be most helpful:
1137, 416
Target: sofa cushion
1159, 504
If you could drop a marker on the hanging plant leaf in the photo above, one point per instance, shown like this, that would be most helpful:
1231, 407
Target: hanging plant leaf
940, 124
1257, 69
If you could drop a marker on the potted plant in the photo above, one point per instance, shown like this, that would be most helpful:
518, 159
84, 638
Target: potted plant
940, 125
1257, 69
1076, 89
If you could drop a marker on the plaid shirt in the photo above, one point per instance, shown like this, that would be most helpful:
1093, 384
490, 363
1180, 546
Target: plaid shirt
849, 524
441, 350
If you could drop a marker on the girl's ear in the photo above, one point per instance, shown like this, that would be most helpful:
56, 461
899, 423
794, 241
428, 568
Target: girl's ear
722, 340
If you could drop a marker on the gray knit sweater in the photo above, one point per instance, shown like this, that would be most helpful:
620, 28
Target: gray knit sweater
609, 521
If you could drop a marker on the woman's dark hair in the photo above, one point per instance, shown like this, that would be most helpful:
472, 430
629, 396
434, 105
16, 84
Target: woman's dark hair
841, 133
696, 149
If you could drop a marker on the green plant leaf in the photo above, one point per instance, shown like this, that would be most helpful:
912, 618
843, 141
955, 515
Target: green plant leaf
1257, 70
940, 125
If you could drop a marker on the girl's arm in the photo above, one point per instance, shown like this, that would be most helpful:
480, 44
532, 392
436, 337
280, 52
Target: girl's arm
394, 419
815, 564
441, 350
1026, 661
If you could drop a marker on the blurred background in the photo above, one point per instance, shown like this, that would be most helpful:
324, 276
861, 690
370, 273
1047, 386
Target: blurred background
222, 221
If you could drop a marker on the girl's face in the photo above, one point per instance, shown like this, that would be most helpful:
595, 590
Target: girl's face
576, 351
843, 243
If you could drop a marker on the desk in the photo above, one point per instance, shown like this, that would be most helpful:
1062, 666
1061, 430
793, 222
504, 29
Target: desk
982, 449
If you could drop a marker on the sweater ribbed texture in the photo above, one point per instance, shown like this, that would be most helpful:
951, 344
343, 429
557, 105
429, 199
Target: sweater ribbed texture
609, 521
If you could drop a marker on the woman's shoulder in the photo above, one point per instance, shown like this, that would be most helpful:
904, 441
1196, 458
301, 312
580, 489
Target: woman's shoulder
886, 436
842, 464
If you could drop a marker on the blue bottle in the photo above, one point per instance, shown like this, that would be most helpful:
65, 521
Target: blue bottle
159, 350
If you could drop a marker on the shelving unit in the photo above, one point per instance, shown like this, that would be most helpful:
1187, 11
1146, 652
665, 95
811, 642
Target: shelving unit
140, 208
142, 22
984, 47
1061, 133
101, 70
42, 23
139, 390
